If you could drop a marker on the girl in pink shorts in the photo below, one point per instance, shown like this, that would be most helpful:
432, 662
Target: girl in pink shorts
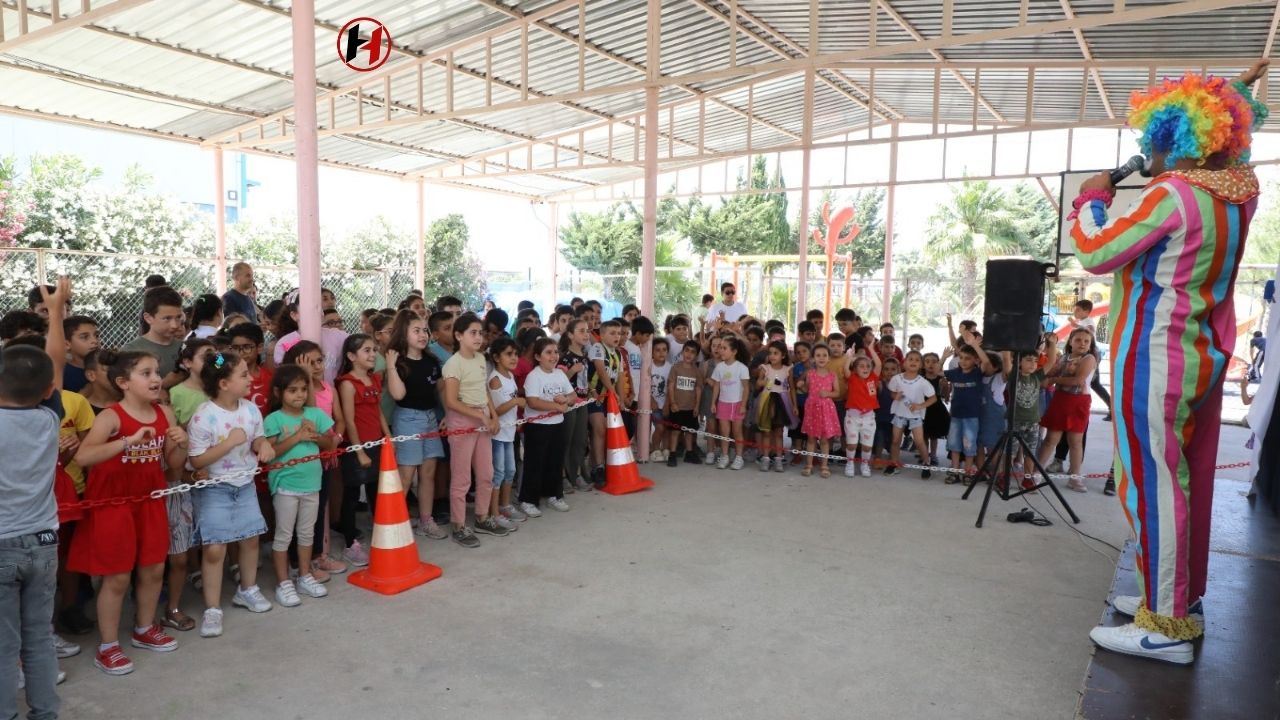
729, 394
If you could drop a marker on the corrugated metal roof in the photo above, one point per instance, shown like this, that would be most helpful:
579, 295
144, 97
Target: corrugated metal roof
200, 68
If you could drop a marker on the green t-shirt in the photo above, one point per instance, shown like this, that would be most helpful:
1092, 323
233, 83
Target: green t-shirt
167, 354
305, 477
185, 400
1026, 399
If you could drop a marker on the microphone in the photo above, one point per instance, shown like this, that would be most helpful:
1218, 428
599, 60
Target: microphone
1135, 164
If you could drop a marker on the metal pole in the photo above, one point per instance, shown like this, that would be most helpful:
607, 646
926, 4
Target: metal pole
807, 140
554, 230
420, 256
219, 222
713, 289
888, 224
303, 16
848, 277
649, 240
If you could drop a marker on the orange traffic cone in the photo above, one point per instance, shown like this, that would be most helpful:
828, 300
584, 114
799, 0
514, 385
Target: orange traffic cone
621, 473
394, 565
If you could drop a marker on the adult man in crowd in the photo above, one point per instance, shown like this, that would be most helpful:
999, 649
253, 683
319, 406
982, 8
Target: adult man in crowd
237, 299
728, 310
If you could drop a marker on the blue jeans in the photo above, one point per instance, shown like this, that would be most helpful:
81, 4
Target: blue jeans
28, 578
504, 463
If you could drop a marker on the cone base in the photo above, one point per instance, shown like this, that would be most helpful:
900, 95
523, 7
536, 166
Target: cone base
624, 486
422, 574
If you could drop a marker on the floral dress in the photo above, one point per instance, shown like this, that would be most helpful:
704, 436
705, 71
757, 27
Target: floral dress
820, 419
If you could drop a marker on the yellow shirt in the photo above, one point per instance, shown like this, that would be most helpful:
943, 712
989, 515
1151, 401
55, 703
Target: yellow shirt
76, 420
473, 390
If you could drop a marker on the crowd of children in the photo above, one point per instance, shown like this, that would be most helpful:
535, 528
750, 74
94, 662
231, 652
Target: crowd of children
198, 395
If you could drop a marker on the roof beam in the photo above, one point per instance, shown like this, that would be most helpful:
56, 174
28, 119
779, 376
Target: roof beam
1088, 55
886, 111
964, 82
61, 23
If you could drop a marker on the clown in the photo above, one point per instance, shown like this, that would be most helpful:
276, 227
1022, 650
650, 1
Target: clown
1174, 253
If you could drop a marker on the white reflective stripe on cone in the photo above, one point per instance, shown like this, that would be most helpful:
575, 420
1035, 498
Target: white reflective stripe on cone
612, 420
392, 537
620, 456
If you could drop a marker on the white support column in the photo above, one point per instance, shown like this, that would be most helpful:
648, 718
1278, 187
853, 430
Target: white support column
306, 161
219, 222
553, 228
649, 240
420, 256
805, 166
888, 227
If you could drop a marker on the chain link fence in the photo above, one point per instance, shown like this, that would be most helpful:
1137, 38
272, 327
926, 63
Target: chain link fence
109, 286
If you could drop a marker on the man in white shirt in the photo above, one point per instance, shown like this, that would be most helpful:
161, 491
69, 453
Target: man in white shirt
728, 310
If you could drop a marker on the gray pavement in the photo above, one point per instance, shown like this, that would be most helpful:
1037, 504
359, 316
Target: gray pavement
715, 595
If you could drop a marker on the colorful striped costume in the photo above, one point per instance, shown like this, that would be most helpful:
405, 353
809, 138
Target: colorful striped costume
1174, 253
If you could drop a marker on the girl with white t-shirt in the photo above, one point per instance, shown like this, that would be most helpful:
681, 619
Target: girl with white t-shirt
729, 395
546, 390
912, 395
507, 402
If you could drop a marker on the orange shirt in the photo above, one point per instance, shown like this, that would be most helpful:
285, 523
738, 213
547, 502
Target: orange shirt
862, 393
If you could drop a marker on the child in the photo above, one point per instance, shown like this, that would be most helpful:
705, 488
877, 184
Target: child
441, 326
916, 342
187, 396
777, 397
247, 340
468, 408
413, 375
507, 402
82, 338
884, 413
912, 395
684, 397
30, 410
994, 415
360, 395
937, 419
729, 390
162, 324
130, 442
307, 354
820, 419
1026, 404
606, 367
99, 391
861, 405
296, 428
707, 410
574, 364
206, 316
659, 369
546, 390
802, 354
1069, 409
226, 438
966, 408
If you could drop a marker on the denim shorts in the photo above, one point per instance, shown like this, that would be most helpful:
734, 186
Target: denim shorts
963, 436
504, 463
226, 513
408, 421
907, 423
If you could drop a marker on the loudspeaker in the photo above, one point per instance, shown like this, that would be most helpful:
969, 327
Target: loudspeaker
1014, 304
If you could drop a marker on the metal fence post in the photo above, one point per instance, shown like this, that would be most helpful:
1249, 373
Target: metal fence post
42, 273
906, 305
386, 288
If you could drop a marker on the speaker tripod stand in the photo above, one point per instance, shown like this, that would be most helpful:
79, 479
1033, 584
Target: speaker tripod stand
997, 469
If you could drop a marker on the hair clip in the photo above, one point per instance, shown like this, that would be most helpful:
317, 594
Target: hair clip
219, 361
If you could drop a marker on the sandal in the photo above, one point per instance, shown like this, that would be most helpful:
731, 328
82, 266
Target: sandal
825, 472
807, 471
177, 620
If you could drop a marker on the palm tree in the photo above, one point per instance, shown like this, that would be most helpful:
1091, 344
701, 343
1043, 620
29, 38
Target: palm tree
979, 222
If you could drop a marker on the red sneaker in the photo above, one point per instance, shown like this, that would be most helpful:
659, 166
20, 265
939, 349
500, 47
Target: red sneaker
113, 661
154, 639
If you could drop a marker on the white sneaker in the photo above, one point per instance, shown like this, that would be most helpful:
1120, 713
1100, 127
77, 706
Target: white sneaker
764, 464
530, 510
656, 456
558, 504
251, 599
211, 623
64, 648
866, 468
710, 459
723, 462
287, 594
505, 523
737, 463
309, 586
62, 677
851, 468
1128, 605
1133, 640
1055, 467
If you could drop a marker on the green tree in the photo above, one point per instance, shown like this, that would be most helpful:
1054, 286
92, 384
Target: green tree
1263, 244
980, 221
606, 242
451, 267
1037, 221
754, 223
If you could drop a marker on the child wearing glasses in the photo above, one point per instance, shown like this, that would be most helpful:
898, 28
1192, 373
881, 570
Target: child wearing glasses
247, 341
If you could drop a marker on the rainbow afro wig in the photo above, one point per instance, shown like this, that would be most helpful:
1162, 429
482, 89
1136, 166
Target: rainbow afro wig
1196, 117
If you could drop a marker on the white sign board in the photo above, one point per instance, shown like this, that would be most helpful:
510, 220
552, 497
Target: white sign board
1126, 193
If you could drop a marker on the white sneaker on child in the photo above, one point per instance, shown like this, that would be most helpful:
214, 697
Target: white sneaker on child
309, 586
558, 504
251, 599
711, 459
64, 648
530, 510
866, 468
737, 463
287, 594
850, 468
211, 623
723, 462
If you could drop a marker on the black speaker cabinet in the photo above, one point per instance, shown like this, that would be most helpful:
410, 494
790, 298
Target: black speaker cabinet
1014, 304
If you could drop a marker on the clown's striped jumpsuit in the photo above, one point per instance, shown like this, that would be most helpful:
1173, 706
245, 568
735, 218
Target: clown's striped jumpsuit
1175, 254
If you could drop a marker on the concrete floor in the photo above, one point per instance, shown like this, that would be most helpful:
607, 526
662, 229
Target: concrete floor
715, 595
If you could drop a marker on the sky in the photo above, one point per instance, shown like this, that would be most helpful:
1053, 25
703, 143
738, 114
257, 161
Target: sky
511, 234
